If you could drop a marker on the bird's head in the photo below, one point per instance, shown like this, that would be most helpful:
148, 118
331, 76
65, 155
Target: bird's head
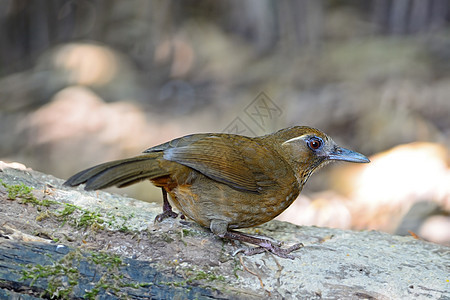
306, 149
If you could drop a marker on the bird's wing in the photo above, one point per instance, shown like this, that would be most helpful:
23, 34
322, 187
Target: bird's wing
233, 160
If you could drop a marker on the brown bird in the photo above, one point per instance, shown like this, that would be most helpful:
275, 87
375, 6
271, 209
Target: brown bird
226, 181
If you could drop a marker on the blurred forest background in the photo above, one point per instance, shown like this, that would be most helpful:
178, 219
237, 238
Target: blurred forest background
87, 81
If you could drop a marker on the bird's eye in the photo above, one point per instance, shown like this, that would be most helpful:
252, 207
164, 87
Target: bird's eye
315, 143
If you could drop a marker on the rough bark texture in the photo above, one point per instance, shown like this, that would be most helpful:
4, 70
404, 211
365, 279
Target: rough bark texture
68, 243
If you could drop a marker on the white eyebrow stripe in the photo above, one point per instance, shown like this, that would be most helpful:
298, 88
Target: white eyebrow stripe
294, 139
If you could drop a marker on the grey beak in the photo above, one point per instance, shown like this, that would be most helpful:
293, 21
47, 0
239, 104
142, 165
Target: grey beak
347, 155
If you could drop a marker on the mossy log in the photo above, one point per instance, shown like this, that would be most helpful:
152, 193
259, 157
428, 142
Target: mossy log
58, 242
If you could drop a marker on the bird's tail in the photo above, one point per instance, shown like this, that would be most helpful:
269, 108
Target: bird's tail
119, 172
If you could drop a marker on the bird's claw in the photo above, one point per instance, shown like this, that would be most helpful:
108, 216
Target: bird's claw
166, 214
167, 209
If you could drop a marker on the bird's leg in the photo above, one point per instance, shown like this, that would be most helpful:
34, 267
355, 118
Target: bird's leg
167, 209
263, 245
220, 228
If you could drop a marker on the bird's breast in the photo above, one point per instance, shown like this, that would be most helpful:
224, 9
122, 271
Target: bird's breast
203, 199
206, 201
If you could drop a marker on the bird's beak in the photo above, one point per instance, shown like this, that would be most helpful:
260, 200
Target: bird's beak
347, 155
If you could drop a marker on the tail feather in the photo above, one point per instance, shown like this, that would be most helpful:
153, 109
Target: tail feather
120, 172
137, 178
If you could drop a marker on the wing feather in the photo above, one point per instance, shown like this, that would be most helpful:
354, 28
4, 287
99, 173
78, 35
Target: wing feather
226, 158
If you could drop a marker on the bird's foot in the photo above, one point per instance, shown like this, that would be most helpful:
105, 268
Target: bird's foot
166, 214
167, 209
264, 245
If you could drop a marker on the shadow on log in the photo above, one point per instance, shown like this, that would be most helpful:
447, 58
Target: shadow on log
57, 271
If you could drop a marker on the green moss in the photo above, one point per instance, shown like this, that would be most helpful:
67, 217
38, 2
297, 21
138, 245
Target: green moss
25, 193
112, 280
119, 222
194, 275
137, 285
75, 215
79, 217
18, 191
89, 218
107, 260
62, 276
67, 210
209, 276
187, 232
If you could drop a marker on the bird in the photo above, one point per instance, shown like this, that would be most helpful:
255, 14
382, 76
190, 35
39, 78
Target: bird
227, 181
